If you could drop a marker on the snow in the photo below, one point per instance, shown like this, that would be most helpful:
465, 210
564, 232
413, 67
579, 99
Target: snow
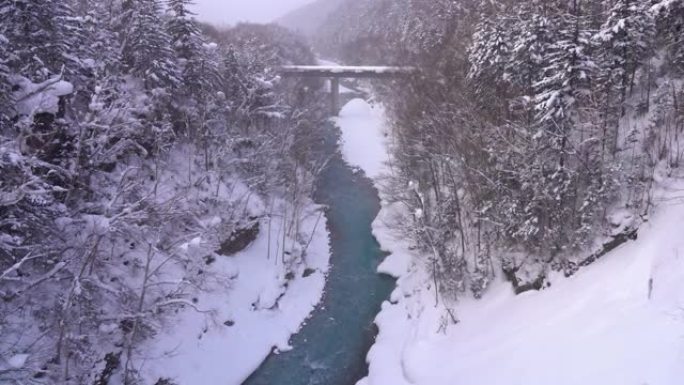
343, 89
663, 4
251, 310
32, 98
247, 304
597, 327
363, 135
618, 321
17, 361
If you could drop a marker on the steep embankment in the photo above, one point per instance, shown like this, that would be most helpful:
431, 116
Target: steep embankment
618, 321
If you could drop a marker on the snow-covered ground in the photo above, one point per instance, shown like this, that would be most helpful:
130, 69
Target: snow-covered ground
363, 136
251, 303
619, 321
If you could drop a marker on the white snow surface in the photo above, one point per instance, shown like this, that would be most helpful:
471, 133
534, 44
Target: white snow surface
248, 307
32, 98
17, 361
363, 136
201, 349
619, 321
343, 89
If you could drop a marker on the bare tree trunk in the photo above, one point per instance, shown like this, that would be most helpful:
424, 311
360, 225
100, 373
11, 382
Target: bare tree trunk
136, 322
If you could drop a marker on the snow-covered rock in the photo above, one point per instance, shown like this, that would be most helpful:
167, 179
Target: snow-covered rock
17, 361
33, 98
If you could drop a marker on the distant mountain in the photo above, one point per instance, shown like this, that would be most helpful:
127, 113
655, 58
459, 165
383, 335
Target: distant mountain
308, 19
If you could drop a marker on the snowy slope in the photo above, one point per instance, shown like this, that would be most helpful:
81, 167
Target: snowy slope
618, 321
251, 303
201, 349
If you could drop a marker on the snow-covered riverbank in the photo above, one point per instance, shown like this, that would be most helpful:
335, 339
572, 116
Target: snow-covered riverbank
618, 321
251, 302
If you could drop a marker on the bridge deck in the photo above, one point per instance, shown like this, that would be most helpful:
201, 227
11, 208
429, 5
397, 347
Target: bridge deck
335, 73
346, 71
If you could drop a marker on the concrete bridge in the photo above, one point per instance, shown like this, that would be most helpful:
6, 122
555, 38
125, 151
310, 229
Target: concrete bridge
335, 73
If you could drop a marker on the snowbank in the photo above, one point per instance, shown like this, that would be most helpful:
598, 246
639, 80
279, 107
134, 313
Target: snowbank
252, 302
619, 321
363, 136
33, 98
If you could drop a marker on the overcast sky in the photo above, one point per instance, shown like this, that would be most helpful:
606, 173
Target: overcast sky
232, 11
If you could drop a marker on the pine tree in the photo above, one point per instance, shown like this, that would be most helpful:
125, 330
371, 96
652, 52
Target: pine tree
147, 51
531, 38
627, 39
489, 57
185, 35
670, 22
199, 62
5, 88
566, 75
104, 48
562, 94
44, 36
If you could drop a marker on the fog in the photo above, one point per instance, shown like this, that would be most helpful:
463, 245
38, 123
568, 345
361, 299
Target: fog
222, 12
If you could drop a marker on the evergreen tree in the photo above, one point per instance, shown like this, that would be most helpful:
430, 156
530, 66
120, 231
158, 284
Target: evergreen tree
44, 36
627, 39
199, 62
565, 77
185, 35
147, 51
5, 88
531, 37
670, 23
489, 57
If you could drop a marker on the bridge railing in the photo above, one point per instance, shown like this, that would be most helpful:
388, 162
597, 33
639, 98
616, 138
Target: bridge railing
335, 73
347, 71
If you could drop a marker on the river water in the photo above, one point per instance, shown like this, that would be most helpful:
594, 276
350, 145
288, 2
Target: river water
331, 348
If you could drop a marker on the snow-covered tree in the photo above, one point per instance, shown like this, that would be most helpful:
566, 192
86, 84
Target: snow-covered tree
147, 50
566, 77
489, 58
669, 16
44, 36
5, 87
627, 41
531, 37
184, 32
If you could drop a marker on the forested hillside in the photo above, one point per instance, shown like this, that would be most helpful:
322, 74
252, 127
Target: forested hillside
530, 138
129, 135
308, 19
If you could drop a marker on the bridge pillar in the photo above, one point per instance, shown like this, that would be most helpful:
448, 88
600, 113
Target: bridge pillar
335, 96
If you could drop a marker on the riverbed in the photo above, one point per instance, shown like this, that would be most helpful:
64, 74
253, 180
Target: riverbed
331, 347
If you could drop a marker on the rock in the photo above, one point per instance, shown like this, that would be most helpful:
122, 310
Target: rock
617, 240
112, 365
524, 284
525, 274
239, 239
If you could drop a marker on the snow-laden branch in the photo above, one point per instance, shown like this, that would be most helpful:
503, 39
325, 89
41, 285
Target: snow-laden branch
5, 274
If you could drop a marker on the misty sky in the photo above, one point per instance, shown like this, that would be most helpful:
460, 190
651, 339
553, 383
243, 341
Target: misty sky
232, 11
